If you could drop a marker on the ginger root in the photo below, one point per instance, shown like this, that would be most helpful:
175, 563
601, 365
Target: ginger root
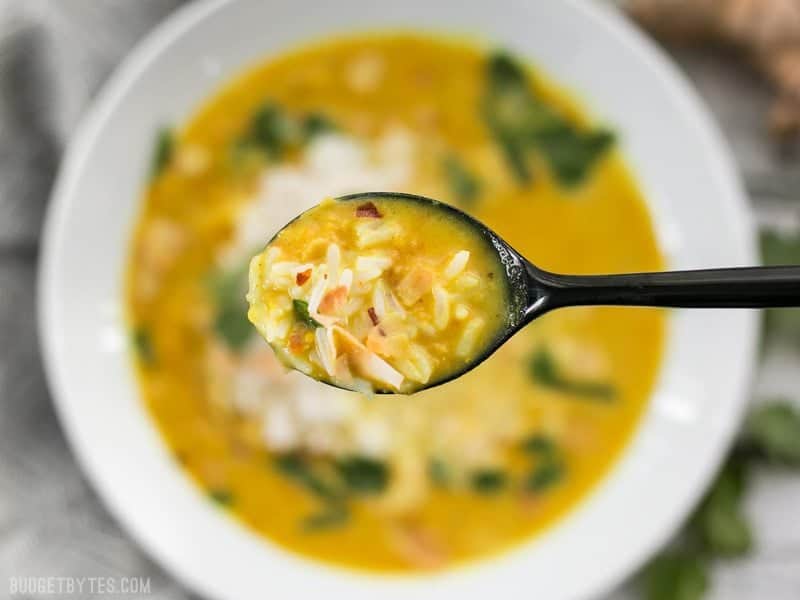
767, 32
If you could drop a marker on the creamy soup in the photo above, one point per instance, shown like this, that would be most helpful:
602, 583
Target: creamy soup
388, 483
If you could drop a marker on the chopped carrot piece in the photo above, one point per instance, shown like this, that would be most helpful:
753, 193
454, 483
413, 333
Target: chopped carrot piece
333, 301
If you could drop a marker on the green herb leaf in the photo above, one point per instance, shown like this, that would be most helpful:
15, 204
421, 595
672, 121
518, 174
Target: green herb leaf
143, 345
300, 470
545, 372
163, 151
315, 124
228, 289
272, 131
538, 443
438, 472
293, 465
773, 431
543, 368
675, 576
506, 74
720, 522
331, 517
302, 315
488, 481
520, 122
221, 497
363, 475
570, 153
465, 186
232, 325
504, 108
544, 476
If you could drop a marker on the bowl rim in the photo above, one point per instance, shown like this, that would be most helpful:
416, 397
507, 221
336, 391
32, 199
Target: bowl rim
151, 47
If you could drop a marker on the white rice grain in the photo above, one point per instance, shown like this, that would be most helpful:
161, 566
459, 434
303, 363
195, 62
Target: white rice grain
423, 362
326, 350
469, 337
371, 232
346, 279
317, 292
461, 312
441, 307
467, 282
371, 267
333, 258
456, 264
379, 300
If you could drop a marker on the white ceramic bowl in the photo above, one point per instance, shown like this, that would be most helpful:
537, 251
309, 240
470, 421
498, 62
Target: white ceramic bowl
700, 214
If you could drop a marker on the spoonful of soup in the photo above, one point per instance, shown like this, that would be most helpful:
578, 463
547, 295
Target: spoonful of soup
396, 293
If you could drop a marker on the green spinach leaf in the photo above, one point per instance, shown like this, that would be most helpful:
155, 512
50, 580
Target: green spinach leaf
163, 152
330, 517
363, 475
228, 289
544, 475
545, 372
143, 345
570, 153
271, 131
300, 470
315, 124
222, 497
522, 123
488, 481
539, 444
464, 185
302, 315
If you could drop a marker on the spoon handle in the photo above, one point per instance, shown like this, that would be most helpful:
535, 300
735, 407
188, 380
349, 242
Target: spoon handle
744, 287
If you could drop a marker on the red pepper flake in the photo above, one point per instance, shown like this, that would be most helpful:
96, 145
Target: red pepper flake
373, 316
368, 210
303, 276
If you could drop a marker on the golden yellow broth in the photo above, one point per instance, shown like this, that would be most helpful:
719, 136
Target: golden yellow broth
432, 87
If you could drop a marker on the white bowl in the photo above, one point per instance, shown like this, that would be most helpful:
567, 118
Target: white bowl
692, 190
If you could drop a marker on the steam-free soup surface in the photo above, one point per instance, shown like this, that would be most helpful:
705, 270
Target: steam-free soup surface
451, 474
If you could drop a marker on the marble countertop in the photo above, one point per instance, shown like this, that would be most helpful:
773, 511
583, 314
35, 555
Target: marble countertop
53, 56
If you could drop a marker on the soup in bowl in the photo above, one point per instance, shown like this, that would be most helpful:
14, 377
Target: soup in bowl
386, 483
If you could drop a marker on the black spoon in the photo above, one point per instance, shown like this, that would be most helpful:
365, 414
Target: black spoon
532, 291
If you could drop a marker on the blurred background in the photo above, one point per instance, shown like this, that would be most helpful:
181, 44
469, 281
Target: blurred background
55, 54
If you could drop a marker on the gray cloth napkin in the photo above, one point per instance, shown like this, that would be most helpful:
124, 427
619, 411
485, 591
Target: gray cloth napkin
54, 54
